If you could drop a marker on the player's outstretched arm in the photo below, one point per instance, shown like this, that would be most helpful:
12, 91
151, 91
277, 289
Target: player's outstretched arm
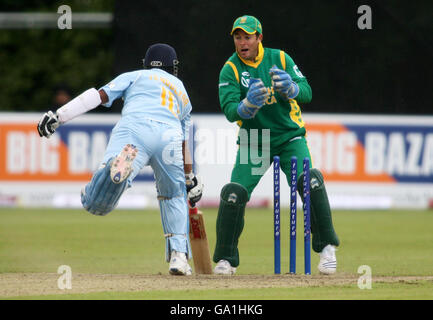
86, 101
48, 124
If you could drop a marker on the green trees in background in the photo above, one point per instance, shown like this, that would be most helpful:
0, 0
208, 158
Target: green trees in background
383, 70
35, 61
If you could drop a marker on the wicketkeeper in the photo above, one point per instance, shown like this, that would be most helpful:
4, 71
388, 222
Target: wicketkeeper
152, 131
260, 88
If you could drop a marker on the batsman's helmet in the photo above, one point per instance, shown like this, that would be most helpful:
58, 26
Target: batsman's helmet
161, 56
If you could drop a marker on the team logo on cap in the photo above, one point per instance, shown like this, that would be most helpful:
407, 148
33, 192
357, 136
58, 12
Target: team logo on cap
243, 20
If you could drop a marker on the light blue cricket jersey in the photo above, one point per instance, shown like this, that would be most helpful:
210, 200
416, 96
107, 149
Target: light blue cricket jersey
152, 94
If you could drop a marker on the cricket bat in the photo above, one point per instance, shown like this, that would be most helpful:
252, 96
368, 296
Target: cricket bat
198, 240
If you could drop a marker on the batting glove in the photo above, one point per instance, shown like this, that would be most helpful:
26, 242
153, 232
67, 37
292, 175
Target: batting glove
48, 124
256, 98
194, 187
283, 83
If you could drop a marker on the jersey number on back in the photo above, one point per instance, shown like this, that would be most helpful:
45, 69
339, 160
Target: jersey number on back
167, 100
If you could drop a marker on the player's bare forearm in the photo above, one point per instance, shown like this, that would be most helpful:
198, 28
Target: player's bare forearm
187, 160
103, 95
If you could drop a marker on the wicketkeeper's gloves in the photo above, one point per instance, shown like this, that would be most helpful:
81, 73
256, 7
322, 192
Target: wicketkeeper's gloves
48, 124
282, 83
256, 98
194, 187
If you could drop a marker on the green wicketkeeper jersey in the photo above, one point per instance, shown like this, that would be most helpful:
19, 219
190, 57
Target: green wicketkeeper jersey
282, 117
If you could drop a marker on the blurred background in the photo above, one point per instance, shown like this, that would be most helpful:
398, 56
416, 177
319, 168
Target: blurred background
387, 69
370, 122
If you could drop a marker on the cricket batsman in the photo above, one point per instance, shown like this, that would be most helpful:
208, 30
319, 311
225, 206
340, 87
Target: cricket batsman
261, 88
152, 131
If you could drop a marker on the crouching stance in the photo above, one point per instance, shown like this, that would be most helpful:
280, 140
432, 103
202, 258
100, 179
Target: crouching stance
152, 131
265, 99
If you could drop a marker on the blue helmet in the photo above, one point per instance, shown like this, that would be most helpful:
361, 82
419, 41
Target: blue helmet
161, 56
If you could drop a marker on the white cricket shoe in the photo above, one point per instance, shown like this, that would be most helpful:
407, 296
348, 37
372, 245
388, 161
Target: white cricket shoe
121, 166
224, 267
179, 264
328, 260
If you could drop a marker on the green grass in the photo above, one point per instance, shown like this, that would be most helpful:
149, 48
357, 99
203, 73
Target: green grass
42, 240
392, 243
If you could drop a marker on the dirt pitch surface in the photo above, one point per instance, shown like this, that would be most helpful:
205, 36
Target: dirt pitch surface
34, 284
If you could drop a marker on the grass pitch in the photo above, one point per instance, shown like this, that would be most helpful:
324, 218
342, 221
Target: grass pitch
121, 256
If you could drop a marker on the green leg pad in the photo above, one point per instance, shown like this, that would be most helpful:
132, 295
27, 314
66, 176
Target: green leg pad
230, 222
322, 228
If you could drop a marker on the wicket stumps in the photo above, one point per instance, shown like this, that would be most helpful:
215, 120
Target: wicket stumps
277, 249
293, 209
307, 215
293, 214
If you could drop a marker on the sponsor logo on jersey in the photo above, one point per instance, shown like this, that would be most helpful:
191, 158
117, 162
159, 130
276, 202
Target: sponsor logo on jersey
245, 79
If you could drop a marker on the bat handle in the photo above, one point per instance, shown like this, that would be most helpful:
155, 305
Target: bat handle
192, 208
191, 204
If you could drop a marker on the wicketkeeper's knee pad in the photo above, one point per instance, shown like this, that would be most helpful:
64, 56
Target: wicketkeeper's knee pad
322, 227
230, 222
316, 181
101, 195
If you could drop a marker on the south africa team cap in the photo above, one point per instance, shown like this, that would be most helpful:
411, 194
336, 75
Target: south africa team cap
249, 24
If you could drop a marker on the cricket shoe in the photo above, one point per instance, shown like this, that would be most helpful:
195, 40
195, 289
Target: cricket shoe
121, 166
224, 267
179, 264
328, 260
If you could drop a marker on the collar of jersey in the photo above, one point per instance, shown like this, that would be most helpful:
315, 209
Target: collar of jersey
257, 60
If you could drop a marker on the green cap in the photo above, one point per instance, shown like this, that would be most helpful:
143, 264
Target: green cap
249, 24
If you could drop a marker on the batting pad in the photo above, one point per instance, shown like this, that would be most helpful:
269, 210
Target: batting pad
175, 223
101, 195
